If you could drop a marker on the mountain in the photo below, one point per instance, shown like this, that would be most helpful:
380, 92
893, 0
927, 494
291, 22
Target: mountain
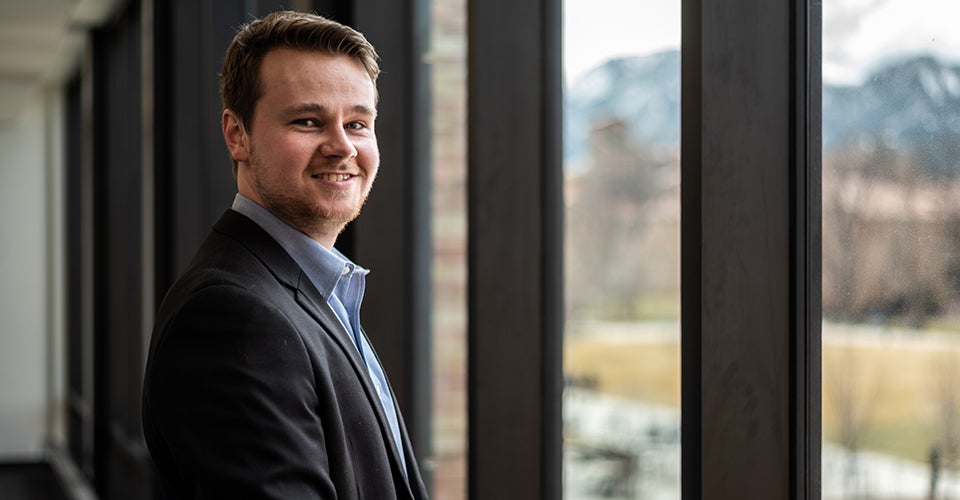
912, 105
644, 92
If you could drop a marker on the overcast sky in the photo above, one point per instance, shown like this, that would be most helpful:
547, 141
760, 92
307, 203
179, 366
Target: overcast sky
858, 34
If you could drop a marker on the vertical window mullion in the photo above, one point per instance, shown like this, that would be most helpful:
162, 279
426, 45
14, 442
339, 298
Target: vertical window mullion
513, 243
750, 250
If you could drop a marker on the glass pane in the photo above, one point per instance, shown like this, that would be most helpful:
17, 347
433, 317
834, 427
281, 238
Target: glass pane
449, 224
621, 163
891, 249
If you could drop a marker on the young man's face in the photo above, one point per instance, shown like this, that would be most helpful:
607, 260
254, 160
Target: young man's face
310, 155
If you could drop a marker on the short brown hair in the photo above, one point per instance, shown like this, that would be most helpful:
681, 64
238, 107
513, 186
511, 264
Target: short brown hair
240, 80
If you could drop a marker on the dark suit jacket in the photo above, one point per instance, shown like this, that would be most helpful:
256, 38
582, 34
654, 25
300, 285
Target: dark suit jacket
255, 390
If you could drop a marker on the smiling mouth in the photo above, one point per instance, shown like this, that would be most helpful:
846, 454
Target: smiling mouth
332, 176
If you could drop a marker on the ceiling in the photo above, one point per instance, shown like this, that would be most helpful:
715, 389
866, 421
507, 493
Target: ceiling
41, 42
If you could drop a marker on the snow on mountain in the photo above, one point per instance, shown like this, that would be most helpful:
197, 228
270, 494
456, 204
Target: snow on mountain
911, 104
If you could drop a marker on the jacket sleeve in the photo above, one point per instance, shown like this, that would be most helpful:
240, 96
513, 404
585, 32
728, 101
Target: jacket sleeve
232, 398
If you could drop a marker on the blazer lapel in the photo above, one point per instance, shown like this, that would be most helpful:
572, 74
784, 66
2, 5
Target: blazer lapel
314, 303
405, 440
414, 479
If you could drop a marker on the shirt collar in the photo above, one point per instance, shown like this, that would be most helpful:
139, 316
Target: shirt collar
324, 267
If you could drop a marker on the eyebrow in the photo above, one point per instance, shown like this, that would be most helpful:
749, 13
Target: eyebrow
317, 108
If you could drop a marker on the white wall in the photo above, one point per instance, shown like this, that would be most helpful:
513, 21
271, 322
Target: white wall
30, 276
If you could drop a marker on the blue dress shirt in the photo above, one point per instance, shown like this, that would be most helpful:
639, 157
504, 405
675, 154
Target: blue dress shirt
338, 280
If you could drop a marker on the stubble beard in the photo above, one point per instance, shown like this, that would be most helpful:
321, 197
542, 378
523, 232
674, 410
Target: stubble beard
307, 215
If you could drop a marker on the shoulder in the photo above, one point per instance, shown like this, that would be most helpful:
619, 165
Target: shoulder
226, 273
245, 315
230, 296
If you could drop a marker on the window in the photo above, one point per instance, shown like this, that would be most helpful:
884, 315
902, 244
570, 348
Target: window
891, 250
622, 249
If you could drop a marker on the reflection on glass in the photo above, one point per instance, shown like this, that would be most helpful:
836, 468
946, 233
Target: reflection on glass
621, 161
891, 250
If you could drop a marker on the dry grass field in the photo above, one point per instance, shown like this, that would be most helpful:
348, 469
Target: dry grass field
892, 389
645, 369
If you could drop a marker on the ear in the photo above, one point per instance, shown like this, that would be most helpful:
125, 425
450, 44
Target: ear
235, 136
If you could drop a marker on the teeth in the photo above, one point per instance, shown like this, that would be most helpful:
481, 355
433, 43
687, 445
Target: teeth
333, 177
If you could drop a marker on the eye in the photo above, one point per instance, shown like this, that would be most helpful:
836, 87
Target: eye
356, 125
306, 122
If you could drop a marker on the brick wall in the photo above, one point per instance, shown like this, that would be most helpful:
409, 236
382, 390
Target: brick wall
448, 61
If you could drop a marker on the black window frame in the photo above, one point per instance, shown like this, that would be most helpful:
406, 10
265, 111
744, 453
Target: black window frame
750, 206
750, 249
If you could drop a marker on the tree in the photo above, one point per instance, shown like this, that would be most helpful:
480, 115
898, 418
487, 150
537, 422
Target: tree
608, 216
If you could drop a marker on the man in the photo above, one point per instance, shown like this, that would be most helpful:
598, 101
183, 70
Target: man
260, 382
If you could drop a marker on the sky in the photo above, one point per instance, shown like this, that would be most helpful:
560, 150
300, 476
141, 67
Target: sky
858, 34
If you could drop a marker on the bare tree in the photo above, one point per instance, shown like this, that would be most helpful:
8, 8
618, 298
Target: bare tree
877, 239
845, 192
608, 216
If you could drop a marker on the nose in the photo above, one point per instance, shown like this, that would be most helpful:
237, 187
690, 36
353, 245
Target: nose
337, 144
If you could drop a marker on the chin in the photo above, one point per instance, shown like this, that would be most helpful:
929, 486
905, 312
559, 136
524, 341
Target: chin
342, 215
